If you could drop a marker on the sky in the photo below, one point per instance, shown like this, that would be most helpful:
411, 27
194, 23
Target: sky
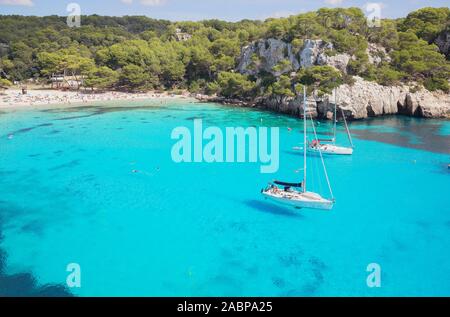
230, 10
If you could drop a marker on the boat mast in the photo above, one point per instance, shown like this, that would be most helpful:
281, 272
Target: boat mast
304, 139
335, 115
321, 158
348, 130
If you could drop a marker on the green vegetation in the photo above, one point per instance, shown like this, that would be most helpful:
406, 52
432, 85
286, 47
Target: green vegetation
234, 85
139, 53
4, 83
323, 79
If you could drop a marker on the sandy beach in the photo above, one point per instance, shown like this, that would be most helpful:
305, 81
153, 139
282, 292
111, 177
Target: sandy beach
13, 98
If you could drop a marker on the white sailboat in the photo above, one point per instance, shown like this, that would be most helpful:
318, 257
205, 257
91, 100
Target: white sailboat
329, 146
296, 194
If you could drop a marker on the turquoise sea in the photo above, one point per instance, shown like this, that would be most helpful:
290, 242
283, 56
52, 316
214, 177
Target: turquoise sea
68, 194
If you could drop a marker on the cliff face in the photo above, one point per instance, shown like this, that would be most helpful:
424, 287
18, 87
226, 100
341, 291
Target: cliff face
361, 100
443, 42
368, 99
264, 55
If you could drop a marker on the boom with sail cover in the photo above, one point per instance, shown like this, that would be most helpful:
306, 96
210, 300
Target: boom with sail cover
295, 185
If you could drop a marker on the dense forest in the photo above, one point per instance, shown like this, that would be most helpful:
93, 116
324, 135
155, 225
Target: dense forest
139, 53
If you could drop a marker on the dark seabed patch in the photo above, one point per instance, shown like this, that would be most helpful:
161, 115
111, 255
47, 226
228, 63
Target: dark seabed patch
99, 110
278, 282
70, 164
77, 117
54, 132
293, 259
414, 133
447, 224
35, 227
24, 130
6, 173
25, 284
194, 118
311, 282
34, 155
238, 226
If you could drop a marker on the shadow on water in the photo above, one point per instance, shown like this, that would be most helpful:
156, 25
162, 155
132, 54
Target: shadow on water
272, 209
24, 284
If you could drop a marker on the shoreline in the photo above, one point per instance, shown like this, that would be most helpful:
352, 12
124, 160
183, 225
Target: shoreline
13, 99
286, 108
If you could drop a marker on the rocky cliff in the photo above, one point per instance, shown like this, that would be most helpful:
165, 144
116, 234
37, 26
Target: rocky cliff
443, 42
361, 100
368, 99
265, 55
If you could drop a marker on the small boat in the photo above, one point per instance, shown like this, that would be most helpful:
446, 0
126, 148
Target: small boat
296, 198
329, 147
296, 194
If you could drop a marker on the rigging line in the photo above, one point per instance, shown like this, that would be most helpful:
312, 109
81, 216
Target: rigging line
335, 115
321, 158
305, 131
346, 127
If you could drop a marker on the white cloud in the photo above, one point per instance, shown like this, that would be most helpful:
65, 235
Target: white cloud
373, 4
334, 2
26, 3
150, 3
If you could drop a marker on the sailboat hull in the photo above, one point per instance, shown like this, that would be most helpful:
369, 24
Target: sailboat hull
298, 200
330, 149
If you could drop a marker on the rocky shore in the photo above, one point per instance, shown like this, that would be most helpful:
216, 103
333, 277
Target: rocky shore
362, 99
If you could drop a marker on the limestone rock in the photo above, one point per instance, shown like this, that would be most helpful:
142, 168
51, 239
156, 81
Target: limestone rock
339, 61
289, 105
428, 105
377, 54
264, 55
368, 99
443, 42
269, 54
313, 53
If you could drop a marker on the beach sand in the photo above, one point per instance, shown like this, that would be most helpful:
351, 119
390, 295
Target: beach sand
13, 98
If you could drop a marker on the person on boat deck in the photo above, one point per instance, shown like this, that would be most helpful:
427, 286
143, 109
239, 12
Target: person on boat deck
275, 188
315, 143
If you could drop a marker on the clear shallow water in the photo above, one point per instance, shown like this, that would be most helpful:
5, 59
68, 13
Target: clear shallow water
68, 194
